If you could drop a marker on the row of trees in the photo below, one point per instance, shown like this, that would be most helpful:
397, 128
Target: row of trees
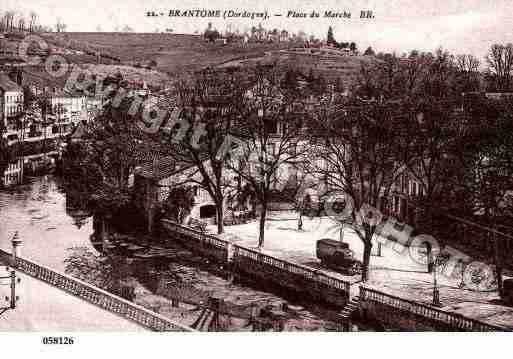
12, 21
462, 73
456, 147
408, 118
500, 66
418, 74
258, 34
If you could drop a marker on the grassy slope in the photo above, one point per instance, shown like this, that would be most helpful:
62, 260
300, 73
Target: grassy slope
173, 52
176, 53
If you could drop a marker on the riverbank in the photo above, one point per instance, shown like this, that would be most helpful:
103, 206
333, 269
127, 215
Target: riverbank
154, 281
51, 232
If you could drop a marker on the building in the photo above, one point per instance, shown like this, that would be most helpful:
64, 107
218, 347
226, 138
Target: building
403, 196
55, 116
11, 107
154, 179
66, 111
13, 174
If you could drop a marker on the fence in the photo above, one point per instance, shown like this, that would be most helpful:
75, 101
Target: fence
207, 244
440, 318
292, 275
95, 295
263, 266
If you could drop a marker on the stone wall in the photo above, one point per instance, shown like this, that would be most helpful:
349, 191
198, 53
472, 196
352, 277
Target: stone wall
262, 267
95, 295
405, 315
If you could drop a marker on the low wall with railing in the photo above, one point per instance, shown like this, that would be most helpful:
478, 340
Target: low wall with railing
293, 276
94, 295
263, 267
402, 314
208, 245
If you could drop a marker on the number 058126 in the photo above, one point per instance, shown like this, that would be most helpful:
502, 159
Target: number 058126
58, 340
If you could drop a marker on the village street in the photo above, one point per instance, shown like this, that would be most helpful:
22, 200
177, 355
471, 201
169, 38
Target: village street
394, 272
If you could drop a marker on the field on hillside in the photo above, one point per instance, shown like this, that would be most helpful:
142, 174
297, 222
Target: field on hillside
345, 68
173, 53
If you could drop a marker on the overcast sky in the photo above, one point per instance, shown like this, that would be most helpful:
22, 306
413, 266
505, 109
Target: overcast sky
461, 26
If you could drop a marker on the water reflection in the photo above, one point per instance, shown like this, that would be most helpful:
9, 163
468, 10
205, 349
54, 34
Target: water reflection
37, 210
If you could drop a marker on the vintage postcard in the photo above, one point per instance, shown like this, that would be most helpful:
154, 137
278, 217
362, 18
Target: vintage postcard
255, 166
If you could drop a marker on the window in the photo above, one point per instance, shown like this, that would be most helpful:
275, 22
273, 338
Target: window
207, 211
270, 148
271, 126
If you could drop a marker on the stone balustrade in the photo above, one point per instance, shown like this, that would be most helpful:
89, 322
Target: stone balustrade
95, 295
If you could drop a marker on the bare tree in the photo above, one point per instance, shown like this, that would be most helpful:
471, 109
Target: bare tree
272, 118
433, 161
33, 21
3, 23
60, 26
9, 18
468, 67
209, 102
357, 150
440, 76
389, 79
366, 83
500, 63
21, 22
467, 63
412, 70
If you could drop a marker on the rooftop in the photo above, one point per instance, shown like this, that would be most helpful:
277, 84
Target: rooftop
160, 168
6, 84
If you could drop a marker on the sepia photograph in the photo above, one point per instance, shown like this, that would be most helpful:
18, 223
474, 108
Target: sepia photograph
271, 166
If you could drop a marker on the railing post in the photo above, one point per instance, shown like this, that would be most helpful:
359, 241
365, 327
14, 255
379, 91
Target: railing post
13, 289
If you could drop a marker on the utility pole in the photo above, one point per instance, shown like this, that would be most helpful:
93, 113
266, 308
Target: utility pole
13, 289
12, 283
436, 291
15, 241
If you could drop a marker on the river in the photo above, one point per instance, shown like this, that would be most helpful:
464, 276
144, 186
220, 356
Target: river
49, 230
37, 210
